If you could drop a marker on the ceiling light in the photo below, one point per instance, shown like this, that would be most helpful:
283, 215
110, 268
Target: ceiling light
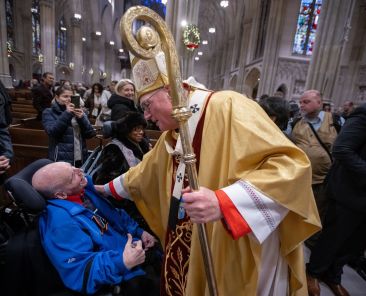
224, 4
212, 30
83, 39
121, 50
63, 29
200, 53
204, 42
111, 42
164, 2
183, 23
197, 58
77, 16
98, 33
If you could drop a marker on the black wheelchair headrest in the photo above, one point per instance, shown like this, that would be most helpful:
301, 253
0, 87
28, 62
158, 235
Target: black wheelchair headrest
20, 187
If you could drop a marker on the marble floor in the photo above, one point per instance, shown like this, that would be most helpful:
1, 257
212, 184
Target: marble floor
355, 285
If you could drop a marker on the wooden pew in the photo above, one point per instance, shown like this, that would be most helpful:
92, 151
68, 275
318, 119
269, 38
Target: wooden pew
22, 115
31, 123
24, 109
20, 93
28, 145
22, 101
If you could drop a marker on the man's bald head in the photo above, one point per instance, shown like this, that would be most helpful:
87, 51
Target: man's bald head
311, 103
51, 178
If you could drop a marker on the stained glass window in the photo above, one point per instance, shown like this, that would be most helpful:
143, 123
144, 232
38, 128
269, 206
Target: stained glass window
307, 24
9, 11
155, 5
36, 28
61, 41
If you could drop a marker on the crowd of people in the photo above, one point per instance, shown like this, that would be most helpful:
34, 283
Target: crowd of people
264, 180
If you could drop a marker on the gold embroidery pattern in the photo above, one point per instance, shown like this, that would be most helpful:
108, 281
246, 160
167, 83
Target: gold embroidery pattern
176, 263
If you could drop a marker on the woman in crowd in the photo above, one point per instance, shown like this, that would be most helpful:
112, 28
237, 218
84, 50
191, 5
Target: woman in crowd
125, 150
122, 100
97, 104
67, 128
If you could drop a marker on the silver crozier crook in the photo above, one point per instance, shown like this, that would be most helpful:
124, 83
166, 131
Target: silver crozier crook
148, 44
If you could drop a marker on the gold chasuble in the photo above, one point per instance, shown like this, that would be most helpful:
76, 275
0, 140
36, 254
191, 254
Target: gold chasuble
239, 142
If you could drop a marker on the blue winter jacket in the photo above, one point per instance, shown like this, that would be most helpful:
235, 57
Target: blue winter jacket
85, 258
57, 124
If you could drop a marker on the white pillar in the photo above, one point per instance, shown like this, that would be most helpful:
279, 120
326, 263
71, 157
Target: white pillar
96, 56
270, 56
4, 62
76, 51
331, 35
48, 36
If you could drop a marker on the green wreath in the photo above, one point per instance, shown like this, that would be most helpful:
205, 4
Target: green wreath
191, 37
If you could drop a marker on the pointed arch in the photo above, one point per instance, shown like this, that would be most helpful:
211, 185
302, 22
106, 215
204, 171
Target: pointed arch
251, 83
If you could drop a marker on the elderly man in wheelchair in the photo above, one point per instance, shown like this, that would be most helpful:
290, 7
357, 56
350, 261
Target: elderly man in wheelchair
92, 245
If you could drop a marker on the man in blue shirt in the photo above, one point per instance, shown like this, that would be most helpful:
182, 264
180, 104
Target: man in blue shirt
90, 243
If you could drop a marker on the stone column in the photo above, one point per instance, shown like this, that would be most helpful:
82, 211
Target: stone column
330, 39
96, 46
270, 56
26, 47
48, 37
176, 12
76, 51
352, 66
4, 62
109, 59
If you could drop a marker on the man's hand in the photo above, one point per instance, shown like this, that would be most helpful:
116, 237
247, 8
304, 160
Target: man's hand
148, 240
4, 164
133, 254
202, 206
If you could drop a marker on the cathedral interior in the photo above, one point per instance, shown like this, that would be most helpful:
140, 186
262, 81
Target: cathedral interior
255, 47
279, 48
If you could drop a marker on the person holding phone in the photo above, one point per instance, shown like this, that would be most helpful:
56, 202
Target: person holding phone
67, 127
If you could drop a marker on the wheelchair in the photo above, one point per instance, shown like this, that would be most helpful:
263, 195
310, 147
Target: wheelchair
25, 269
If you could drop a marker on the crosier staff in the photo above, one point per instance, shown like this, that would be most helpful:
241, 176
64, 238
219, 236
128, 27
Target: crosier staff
147, 45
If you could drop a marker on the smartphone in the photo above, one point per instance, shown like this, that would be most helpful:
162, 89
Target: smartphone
76, 101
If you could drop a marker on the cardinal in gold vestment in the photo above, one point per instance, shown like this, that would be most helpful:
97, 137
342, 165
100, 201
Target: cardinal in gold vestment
261, 180
239, 142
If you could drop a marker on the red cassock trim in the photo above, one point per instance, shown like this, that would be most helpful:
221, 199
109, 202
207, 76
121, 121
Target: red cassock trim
235, 223
114, 192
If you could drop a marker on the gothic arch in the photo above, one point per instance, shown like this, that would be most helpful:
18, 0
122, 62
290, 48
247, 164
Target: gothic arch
12, 71
233, 82
63, 72
18, 66
251, 82
222, 83
106, 18
37, 69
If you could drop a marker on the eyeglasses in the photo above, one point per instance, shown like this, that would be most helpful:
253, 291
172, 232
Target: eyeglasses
145, 105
